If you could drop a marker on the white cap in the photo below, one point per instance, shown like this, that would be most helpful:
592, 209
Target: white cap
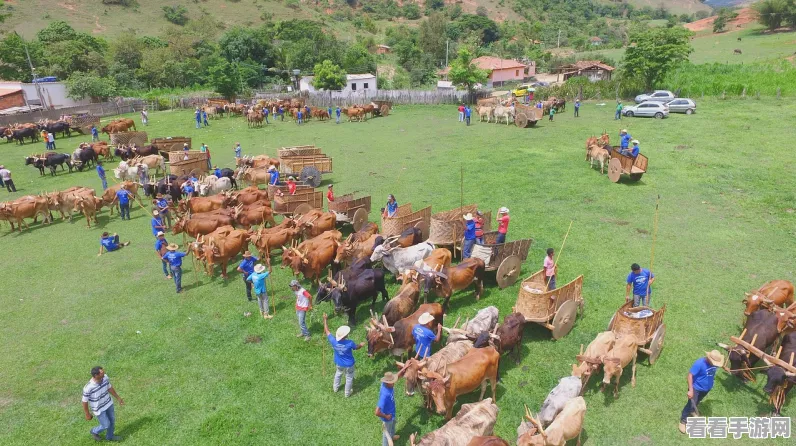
504, 210
342, 332
160, 233
425, 318
623, 131
468, 216
635, 141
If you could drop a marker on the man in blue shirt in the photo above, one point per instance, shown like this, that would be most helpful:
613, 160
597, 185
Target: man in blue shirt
469, 236
237, 150
624, 140
392, 206
101, 173
123, 196
94, 133
110, 243
640, 281
306, 112
216, 171
157, 223
163, 209
274, 176
198, 117
246, 268
298, 117
700, 381
577, 107
257, 278
385, 408
174, 258
265, 114
467, 112
337, 112
329, 111
160, 249
281, 112
424, 336
187, 188
204, 118
343, 349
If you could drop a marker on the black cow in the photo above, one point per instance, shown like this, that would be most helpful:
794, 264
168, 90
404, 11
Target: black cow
229, 173
87, 156
57, 127
762, 324
170, 187
352, 287
125, 153
145, 151
52, 161
28, 132
779, 377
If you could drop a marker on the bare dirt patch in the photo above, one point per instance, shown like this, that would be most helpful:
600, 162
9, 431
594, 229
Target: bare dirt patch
745, 17
616, 222
680, 147
97, 27
68, 5
253, 339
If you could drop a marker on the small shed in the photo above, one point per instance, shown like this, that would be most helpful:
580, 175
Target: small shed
383, 49
445, 86
594, 70
595, 41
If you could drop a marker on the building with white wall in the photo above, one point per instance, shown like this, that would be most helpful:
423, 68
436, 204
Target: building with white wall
355, 83
53, 94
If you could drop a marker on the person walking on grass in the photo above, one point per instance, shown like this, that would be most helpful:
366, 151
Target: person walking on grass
5, 175
385, 408
343, 349
577, 107
640, 281
51, 139
246, 268
552, 112
198, 117
337, 112
110, 243
101, 174
238, 150
97, 402
461, 112
160, 249
123, 197
204, 118
467, 112
550, 268
700, 381
329, 111
303, 305
469, 236
299, 115
257, 278
174, 258
618, 114
265, 114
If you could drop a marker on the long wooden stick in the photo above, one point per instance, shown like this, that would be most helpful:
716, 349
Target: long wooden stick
652, 252
555, 264
268, 261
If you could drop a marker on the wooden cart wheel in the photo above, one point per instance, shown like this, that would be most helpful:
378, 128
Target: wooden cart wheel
302, 209
508, 271
385, 110
521, 120
614, 170
532, 123
657, 343
311, 176
636, 176
360, 219
564, 319
423, 229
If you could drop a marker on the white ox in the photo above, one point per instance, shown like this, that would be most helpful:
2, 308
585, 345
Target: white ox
567, 389
485, 320
212, 185
125, 172
502, 112
473, 420
397, 260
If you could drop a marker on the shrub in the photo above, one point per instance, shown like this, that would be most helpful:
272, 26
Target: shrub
177, 15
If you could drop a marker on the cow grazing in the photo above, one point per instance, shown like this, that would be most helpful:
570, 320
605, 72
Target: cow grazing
311, 263
473, 421
776, 293
780, 381
434, 363
624, 352
567, 389
223, 249
590, 361
398, 338
599, 154
455, 278
398, 260
402, 304
760, 327
566, 426
477, 367
346, 291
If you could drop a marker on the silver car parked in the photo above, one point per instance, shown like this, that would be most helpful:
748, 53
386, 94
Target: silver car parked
656, 96
682, 105
647, 109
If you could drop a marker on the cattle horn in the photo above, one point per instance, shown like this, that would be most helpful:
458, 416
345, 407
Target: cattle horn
724, 346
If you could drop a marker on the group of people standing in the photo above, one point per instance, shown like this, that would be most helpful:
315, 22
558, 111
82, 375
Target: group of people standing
474, 230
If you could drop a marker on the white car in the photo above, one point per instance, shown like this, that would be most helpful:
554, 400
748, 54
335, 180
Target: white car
682, 105
657, 96
647, 109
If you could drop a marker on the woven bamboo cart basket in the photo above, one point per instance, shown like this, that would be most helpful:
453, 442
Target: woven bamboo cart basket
301, 203
645, 323
447, 228
300, 188
404, 219
171, 143
351, 210
176, 157
299, 151
195, 166
556, 309
84, 123
129, 138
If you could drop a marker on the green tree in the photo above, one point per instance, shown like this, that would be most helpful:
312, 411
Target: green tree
127, 49
177, 15
411, 11
484, 26
654, 52
771, 13
463, 72
329, 76
14, 65
433, 36
240, 43
358, 59
223, 77
720, 23
82, 85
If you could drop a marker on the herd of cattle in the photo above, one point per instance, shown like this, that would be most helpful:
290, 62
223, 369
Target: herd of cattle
291, 107
31, 131
488, 109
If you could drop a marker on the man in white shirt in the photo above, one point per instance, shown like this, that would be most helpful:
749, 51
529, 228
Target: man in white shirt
5, 175
96, 397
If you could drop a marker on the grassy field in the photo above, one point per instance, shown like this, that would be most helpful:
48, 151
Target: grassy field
183, 365
674, 6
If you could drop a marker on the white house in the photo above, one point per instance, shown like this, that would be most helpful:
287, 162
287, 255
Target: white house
355, 83
53, 94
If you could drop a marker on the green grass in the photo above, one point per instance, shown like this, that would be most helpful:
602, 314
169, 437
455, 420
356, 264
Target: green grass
725, 180
673, 6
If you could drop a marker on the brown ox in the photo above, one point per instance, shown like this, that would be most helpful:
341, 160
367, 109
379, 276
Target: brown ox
308, 245
403, 303
477, 367
353, 249
258, 161
312, 263
509, 335
354, 113
366, 231
109, 194
776, 293
786, 318
567, 426
253, 176
624, 352
599, 154
490, 440
317, 225
438, 259
590, 361
201, 226
222, 249
398, 338
254, 119
102, 149
88, 205
64, 201
204, 204
119, 125
25, 207
435, 363
254, 214
409, 237
455, 278
265, 241
251, 195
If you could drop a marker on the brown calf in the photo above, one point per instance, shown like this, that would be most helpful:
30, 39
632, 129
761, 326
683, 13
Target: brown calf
398, 338
776, 293
624, 352
402, 304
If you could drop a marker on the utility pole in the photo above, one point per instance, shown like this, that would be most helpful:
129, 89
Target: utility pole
35, 84
558, 45
447, 43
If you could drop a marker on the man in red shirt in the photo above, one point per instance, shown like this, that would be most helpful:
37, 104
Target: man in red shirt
479, 227
503, 224
461, 113
330, 194
291, 186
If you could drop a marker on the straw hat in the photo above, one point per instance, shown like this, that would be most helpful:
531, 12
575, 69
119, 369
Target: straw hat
155, 213
160, 234
623, 131
342, 332
425, 318
259, 268
715, 358
468, 216
247, 254
504, 210
185, 144
634, 142
172, 247
390, 378
271, 168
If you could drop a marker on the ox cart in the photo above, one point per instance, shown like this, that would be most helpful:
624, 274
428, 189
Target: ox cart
556, 309
300, 188
405, 219
504, 258
383, 108
82, 122
623, 164
645, 324
301, 203
171, 143
308, 163
351, 210
447, 228
526, 115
